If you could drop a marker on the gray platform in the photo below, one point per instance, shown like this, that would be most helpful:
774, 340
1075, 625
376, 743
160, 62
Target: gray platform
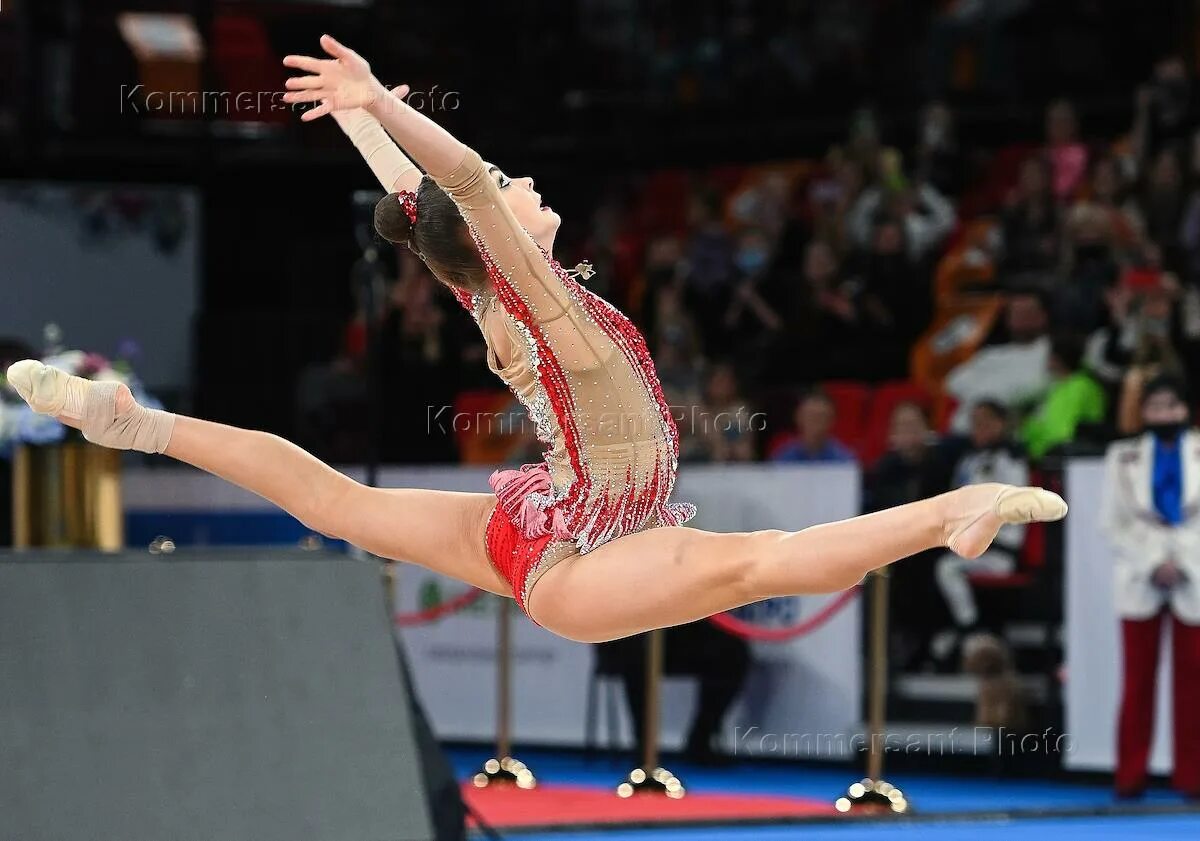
231, 696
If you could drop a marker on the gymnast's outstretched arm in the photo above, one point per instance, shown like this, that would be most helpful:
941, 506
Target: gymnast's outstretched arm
394, 171
345, 82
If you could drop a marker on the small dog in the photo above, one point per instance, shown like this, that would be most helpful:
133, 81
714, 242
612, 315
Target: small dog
1001, 700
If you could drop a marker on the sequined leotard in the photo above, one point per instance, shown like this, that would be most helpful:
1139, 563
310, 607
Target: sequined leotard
584, 375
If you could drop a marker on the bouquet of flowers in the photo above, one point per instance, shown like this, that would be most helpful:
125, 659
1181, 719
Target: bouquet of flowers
20, 425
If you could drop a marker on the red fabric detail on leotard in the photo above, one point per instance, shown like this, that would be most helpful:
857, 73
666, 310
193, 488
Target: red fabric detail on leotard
513, 554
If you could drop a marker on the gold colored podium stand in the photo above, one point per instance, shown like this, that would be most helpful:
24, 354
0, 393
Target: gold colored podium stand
67, 495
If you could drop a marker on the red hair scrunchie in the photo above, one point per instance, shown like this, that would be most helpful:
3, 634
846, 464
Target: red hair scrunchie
408, 201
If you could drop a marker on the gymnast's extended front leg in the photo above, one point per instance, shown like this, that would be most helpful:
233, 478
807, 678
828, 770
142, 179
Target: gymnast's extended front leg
440, 530
670, 576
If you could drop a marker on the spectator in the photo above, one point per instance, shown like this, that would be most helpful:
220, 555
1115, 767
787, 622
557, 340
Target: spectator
727, 427
938, 156
926, 215
1074, 398
1090, 268
1067, 155
718, 660
1029, 224
710, 262
1160, 360
1109, 191
751, 323
1165, 109
1135, 345
415, 341
1014, 373
814, 442
1156, 538
894, 301
1162, 205
914, 467
991, 458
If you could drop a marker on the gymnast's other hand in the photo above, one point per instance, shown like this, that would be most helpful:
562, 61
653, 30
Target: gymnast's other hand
341, 82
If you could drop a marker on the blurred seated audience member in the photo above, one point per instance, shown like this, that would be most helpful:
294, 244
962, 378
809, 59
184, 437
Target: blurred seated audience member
814, 442
710, 270
927, 217
1068, 156
676, 344
1109, 191
416, 345
1013, 374
829, 199
724, 423
992, 457
895, 297
939, 158
1147, 516
1089, 267
1162, 204
1029, 224
751, 324
718, 660
1137, 336
914, 467
1165, 112
1073, 398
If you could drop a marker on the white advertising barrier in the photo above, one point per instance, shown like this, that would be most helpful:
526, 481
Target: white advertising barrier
1093, 643
803, 697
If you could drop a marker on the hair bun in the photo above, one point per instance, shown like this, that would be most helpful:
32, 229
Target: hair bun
392, 221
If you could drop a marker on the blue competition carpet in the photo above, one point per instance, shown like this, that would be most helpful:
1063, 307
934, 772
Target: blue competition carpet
948, 796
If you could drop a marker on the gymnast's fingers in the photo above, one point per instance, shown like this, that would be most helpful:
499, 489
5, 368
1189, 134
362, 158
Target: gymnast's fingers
321, 110
338, 50
303, 62
305, 96
304, 82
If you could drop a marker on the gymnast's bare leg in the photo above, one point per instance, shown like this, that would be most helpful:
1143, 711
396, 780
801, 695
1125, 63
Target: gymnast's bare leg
636, 583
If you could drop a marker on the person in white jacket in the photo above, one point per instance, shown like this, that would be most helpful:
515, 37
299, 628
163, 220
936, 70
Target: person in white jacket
1151, 514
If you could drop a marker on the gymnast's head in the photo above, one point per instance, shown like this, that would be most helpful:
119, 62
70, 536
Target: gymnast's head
439, 236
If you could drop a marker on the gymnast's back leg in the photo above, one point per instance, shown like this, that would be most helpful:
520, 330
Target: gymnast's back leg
439, 530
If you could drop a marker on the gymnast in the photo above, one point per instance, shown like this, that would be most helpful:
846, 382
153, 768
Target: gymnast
587, 541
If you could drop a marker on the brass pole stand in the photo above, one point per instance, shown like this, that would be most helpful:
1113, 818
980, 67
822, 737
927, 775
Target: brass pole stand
67, 495
502, 769
873, 794
650, 778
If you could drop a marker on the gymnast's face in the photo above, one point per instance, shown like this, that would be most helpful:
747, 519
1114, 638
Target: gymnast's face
526, 204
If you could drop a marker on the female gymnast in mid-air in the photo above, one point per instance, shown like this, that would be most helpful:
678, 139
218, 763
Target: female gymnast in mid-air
587, 541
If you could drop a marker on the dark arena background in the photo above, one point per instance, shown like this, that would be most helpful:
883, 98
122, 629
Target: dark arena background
879, 250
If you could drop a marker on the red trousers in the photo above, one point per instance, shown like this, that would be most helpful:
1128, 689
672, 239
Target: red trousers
1142, 640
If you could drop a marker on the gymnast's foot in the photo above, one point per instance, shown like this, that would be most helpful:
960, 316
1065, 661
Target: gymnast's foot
974, 514
106, 412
